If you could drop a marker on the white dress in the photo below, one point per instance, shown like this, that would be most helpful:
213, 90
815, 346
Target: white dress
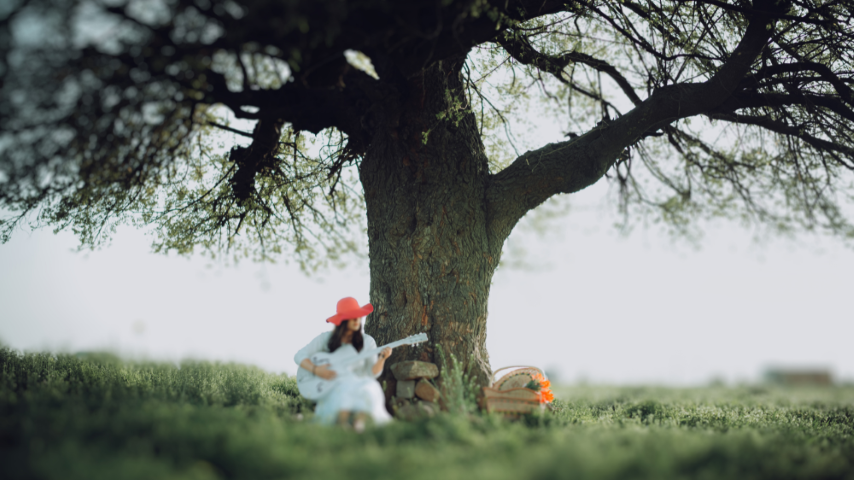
354, 393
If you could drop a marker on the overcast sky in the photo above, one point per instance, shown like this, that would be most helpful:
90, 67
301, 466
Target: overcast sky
591, 306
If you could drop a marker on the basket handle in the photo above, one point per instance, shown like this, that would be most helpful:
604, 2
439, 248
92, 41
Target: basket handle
495, 373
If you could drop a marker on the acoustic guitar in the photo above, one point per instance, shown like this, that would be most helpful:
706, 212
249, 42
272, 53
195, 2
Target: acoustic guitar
313, 387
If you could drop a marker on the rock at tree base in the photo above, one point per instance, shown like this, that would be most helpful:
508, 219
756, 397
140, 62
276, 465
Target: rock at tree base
416, 410
405, 389
429, 408
426, 391
413, 369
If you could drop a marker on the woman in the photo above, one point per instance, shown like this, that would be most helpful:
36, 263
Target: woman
358, 394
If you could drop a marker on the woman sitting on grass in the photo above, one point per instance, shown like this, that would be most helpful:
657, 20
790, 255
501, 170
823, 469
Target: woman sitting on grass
358, 394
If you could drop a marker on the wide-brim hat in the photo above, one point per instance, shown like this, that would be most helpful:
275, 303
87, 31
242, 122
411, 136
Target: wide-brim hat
348, 308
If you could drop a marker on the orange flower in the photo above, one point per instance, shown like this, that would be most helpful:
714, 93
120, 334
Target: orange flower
545, 395
542, 380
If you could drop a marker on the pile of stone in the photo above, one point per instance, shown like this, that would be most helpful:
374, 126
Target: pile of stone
415, 395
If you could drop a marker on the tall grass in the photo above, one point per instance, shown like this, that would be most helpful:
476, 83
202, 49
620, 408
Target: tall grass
64, 417
102, 380
458, 390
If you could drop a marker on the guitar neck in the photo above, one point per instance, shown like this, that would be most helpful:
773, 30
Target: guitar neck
368, 353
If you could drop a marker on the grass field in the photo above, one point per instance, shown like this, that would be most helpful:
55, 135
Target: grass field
67, 417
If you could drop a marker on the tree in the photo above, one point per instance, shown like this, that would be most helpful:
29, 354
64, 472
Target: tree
115, 111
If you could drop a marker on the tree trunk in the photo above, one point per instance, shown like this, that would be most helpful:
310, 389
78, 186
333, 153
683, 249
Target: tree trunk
431, 258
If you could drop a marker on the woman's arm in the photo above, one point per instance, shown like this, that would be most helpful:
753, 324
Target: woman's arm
381, 358
321, 371
318, 344
373, 366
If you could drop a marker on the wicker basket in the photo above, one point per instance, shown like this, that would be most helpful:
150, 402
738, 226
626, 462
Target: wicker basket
508, 394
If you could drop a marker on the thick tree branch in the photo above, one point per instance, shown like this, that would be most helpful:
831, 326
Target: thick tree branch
567, 167
463, 31
260, 154
307, 108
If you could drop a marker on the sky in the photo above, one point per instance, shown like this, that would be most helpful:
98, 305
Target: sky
589, 305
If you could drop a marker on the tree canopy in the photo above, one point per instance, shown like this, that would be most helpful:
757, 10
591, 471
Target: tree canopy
239, 126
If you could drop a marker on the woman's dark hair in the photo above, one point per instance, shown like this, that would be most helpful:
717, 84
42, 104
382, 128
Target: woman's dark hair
335, 341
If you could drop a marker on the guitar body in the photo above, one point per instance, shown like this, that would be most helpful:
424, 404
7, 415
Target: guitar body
340, 361
313, 387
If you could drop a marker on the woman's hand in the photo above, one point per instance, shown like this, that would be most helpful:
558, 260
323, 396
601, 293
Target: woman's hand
381, 358
324, 372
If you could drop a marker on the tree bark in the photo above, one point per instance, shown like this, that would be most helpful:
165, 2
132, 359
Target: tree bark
431, 259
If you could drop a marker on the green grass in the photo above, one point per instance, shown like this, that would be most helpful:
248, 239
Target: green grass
66, 417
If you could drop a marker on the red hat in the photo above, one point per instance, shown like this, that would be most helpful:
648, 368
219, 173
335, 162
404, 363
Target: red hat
348, 308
